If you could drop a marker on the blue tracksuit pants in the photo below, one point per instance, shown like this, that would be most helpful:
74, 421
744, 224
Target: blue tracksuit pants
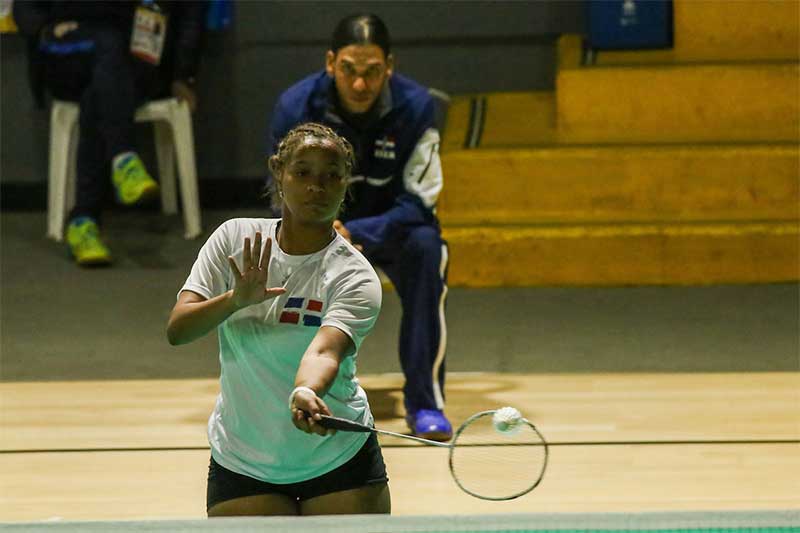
417, 266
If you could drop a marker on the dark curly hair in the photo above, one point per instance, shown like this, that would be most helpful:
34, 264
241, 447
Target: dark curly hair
292, 140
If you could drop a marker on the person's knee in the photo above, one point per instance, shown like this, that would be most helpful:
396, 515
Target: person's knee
110, 42
423, 243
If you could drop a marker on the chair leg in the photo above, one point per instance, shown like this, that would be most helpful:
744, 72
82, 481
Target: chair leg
63, 126
187, 170
72, 166
165, 152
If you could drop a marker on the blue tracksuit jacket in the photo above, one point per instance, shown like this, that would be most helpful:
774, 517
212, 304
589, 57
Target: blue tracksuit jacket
398, 174
391, 210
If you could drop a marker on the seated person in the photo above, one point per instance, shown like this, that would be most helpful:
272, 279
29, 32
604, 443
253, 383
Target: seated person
91, 53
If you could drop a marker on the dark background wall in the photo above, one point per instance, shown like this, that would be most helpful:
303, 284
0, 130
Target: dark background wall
458, 47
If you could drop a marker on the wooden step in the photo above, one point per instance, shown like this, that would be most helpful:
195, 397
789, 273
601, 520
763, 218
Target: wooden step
679, 104
500, 120
621, 184
709, 31
624, 254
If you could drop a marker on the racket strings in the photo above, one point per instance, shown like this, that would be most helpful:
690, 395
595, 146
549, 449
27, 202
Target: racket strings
491, 464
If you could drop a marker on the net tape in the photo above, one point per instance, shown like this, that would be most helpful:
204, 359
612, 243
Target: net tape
787, 521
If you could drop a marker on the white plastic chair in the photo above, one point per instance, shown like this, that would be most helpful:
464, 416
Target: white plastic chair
172, 124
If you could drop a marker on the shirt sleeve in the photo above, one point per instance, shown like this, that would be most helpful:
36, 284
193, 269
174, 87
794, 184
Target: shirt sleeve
422, 175
406, 213
190, 25
210, 275
355, 305
30, 17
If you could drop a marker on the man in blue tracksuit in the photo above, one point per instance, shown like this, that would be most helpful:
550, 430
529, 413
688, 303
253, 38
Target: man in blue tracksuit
389, 213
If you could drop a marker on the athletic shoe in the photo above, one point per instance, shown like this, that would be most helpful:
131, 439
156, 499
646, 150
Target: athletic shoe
134, 185
430, 424
83, 239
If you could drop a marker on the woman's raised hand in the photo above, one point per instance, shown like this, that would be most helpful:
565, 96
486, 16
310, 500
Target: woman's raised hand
250, 283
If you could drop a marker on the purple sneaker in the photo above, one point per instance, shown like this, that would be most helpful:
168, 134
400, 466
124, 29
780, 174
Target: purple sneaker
430, 424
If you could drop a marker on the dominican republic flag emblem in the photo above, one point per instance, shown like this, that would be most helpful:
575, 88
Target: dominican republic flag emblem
384, 148
302, 311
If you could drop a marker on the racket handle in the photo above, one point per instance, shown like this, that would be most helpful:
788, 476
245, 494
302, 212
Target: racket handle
341, 424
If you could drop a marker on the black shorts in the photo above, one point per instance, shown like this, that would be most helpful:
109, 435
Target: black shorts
365, 468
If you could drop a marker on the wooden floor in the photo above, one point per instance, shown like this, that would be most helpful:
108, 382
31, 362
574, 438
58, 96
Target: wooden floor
621, 442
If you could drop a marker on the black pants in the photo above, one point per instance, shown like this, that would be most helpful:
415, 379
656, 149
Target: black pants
93, 66
365, 468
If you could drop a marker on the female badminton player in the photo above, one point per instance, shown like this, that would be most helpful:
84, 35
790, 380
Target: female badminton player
290, 316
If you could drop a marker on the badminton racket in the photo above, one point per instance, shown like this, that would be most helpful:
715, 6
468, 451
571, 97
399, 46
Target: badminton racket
494, 455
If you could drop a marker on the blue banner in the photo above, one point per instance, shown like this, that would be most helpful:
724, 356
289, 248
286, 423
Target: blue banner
629, 24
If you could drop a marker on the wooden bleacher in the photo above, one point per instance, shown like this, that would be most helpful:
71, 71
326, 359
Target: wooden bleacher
645, 167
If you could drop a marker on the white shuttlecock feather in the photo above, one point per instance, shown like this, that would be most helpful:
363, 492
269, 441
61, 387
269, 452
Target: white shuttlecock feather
506, 420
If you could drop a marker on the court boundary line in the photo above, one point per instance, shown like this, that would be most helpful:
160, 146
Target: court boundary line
423, 447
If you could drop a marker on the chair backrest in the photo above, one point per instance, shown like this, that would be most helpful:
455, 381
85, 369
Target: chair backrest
442, 101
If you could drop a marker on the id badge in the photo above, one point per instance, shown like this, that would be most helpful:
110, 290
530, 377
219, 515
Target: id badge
149, 34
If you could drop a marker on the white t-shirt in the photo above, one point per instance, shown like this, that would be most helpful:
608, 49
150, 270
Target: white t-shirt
260, 347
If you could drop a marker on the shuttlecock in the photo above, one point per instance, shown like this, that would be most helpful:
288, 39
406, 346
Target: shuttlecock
506, 420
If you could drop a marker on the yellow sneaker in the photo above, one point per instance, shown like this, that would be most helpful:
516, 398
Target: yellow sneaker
134, 185
83, 239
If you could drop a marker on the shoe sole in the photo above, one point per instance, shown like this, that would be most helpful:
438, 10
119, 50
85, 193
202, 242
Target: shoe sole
94, 262
437, 436
147, 196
